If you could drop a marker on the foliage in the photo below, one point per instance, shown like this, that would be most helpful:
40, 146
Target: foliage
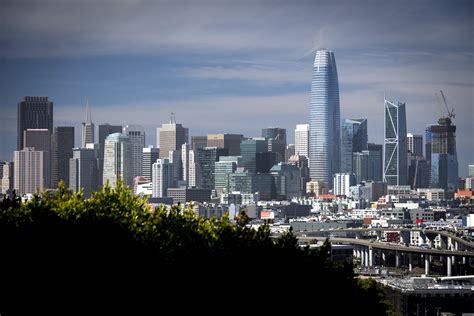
114, 232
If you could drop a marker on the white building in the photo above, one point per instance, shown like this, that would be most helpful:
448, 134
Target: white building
118, 160
30, 170
342, 182
302, 140
162, 177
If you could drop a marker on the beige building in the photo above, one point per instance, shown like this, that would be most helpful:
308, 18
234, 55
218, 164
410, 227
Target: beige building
30, 171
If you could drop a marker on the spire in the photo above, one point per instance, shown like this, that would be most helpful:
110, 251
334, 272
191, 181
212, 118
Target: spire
88, 113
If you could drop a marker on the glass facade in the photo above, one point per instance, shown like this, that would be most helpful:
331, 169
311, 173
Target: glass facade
353, 139
395, 169
324, 140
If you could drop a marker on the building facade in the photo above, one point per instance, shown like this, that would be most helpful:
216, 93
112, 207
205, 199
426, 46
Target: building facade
395, 169
33, 113
88, 129
63, 143
150, 155
118, 160
84, 171
302, 140
171, 137
162, 177
231, 142
30, 171
324, 140
353, 139
136, 134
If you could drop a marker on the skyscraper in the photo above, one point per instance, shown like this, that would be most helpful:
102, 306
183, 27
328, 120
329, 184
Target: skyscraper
63, 143
7, 178
170, 137
150, 154
276, 138
118, 160
33, 113
104, 131
162, 177
375, 161
353, 139
249, 149
444, 159
40, 140
136, 134
302, 140
83, 171
87, 128
30, 170
231, 142
324, 140
395, 169
415, 144
206, 158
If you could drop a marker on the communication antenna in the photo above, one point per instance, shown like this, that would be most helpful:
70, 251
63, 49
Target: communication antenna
173, 118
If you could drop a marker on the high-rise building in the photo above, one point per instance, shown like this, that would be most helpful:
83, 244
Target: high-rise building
471, 170
83, 170
63, 143
7, 178
40, 140
265, 161
302, 140
276, 138
231, 142
104, 131
198, 142
150, 154
419, 173
207, 158
175, 157
118, 160
136, 134
444, 159
353, 139
87, 128
290, 151
415, 144
324, 128
302, 163
249, 149
360, 166
194, 172
171, 137
342, 182
395, 169
33, 113
162, 177
375, 161
287, 181
30, 170
224, 167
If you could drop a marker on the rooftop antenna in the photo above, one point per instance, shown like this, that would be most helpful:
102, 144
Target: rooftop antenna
173, 118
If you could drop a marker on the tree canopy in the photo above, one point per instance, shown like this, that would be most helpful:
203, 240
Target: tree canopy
115, 234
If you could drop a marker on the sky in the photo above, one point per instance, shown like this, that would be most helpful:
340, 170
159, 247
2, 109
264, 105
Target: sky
235, 66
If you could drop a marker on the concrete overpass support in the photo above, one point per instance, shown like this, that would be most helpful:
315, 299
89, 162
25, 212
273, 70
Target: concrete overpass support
427, 264
384, 258
449, 266
371, 256
397, 259
410, 262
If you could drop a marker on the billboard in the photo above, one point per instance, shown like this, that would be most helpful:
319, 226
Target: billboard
267, 215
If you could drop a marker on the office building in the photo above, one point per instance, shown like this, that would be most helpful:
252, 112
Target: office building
276, 139
198, 142
30, 171
353, 139
40, 140
224, 167
104, 131
290, 151
33, 113
7, 178
360, 166
183, 195
249, 149
443, 155
301, 162
206, 158
136, 134
375, 162
324, 128
302, 140
63, 143
395, 169
162, 177
287, 181
118, 160
150, 154
88, 129
83, 170
171, 137
415, 144
231, 142
342, 182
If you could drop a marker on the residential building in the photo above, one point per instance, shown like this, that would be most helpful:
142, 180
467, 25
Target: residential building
342, 182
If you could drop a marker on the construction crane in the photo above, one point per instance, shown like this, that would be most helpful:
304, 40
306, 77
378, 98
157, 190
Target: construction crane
450, 113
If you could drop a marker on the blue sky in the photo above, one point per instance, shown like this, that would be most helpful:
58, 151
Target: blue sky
227, 66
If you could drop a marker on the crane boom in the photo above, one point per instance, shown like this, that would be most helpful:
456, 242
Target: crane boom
450, 113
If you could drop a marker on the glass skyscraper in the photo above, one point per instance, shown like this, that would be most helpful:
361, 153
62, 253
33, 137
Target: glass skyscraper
395, 170
324, 140
353, 139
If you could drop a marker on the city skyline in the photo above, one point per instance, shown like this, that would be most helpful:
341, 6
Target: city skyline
215, 62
